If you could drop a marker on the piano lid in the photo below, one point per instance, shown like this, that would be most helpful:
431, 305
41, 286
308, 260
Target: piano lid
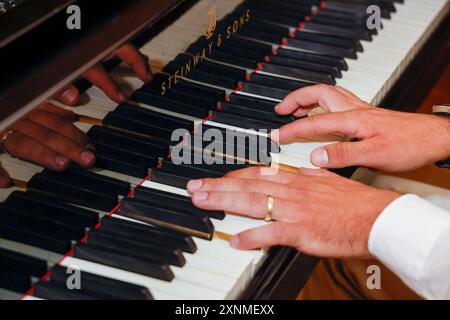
39, 55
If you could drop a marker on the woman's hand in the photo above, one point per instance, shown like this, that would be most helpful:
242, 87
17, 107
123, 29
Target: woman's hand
387, 140
48, 137
99, 77
315, 211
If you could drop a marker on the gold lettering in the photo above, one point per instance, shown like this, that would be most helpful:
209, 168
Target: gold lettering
219, 40
163, 88
247, 16
210, 45
170, 81
177, 76
235, 26
242, 21
203, 54
188, 66
196, 58
228, 32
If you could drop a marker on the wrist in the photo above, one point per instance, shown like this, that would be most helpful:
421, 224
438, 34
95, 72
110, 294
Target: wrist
444, 138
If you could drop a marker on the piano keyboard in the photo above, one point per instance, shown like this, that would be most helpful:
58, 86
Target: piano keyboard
151, 243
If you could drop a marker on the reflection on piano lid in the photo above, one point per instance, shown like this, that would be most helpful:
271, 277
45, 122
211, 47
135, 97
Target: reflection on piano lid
155, 244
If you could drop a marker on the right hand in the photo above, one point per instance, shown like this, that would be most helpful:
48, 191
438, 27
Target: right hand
48, 137
387, 140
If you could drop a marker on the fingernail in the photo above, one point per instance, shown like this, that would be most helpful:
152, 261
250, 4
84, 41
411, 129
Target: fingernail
69, 96
234, 241
194, 184
87, 157
320, 157
200, 196
277, 107
61, 161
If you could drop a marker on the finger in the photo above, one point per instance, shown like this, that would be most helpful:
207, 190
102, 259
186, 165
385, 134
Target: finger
59, 143
98, 76
241, 185
59, 125
316, 172
253, 205
24, 147
303, 100
5, 180
67, 115
269, 174
132, 57
345, 154
347, 93
70, 95
272, 234
348, 123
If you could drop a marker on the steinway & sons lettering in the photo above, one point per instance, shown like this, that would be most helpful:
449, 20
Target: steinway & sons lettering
202, 54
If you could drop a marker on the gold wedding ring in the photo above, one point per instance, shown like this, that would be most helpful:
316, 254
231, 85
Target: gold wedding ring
268, 217
4, 138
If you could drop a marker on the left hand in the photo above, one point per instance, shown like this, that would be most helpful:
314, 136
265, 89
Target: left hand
100, 78
315, 211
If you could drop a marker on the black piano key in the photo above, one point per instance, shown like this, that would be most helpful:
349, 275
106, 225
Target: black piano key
256, 34
52, 208
22, 264
179, 96
320, 48
331, 40
169, 179
301, 10
200, 90
277, 30
346, 33
264, 49
76, 190
245, 123
145, 251
34, 224
299, 74
124, 140
124, 162
190, 224
170, 201
264, 91
114, 185
234, 61
15, 282
258, 104
313, 57
164, 102
148, 234
107, 288
116, 259
37, 238
275, 82
212, 79
333, 71
254, 113
242, 52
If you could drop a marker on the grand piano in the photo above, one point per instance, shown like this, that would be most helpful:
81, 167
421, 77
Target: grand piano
127, 224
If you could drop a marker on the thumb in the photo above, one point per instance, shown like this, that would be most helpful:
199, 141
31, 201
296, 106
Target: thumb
341, 155
5, 180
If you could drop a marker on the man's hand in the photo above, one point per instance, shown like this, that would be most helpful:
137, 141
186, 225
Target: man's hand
48, 137
315, 211
99, 77
387, 140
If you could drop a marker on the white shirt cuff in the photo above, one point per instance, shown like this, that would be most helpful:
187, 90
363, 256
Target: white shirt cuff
405, 235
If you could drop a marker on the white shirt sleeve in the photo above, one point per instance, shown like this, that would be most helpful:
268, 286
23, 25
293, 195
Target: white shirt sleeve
412, 238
